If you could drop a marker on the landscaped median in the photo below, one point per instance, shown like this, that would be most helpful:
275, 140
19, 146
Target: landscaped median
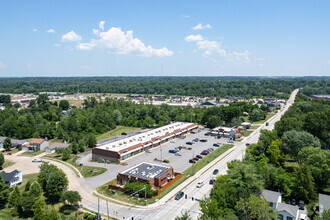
125, 198
86, 171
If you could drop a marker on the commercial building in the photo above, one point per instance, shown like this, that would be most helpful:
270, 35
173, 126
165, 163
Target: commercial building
133, 145
156, 175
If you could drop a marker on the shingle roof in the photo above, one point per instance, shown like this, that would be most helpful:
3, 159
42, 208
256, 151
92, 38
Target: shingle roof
291, 209
324, 200
9, 176
270, 196
58, 145
18, 142
36, 141
2, 139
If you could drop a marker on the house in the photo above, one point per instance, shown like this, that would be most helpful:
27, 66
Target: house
246, 125
324, 203
36, 144
156, 175
51, 148
274, 198
13, 178
16, 143
208, 104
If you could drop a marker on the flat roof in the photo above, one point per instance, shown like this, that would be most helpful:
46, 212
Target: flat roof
144, 137
146, 170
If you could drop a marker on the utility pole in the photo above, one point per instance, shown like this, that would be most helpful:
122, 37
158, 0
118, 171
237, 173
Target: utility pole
98, 208
108, 210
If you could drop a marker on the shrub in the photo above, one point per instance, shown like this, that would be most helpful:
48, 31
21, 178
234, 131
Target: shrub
189, 148
166, 161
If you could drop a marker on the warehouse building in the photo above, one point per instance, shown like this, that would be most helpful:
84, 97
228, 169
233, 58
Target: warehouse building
133, 145
156, 175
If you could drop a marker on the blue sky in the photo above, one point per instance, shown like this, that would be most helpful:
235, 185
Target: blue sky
172, 38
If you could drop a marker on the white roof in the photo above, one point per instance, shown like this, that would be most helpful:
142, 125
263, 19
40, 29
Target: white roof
143, 137
226, 129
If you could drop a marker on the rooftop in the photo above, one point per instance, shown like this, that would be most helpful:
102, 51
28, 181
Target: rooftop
291, 209
270, 196
36, 141
324, 200
146, 170
9, 176
144, 137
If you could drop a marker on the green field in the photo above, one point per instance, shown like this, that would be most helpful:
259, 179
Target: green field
268, 116
185, 175
31, 153
246, 133
7, 163
117, 131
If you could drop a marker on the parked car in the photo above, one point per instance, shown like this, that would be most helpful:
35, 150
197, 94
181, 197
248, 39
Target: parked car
148, 151
37, 160
196, 158
193, 132
216, 171
203, 140
288, 202
230, 141
205, 152
210, 149
212, 181
177, 149
124, 133
178, 154
192, 161
184, 146
293, 202
216, 145
195, 140
200, 184
179, 195
189, 143
303, 217
172, 142
199, 156
207, 133
172, 151
301, 205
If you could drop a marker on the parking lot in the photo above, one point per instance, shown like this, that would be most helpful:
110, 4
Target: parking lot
179, 163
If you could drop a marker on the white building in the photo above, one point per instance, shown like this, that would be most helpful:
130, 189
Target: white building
13, 178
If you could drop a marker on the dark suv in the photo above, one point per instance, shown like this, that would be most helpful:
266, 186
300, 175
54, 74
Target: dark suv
216, 171
179, 195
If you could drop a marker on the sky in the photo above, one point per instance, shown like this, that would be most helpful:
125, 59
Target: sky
164, 38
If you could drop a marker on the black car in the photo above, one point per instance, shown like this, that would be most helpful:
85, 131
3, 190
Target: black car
207, 133
212, 181
203, 140
216, 145
301, 205
192, 161
293, 202
189, 143
216, 171
179, 195
124, 133
199, 156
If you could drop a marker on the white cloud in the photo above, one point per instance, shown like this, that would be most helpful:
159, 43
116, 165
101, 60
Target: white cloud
71, 37
117, 41
2, 66
201, 27
243, 56
192, 38
101, 25
185, 16
51, 31
35, 29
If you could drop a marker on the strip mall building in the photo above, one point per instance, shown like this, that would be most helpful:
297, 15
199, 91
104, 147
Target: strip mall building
130, 146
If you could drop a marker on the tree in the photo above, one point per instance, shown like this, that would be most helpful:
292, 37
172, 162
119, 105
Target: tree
74, 147
213, 121
42, 99
57, 183
27, 186
2, 159
50, 213
27, 202
293, 141
66, 153
118, 116
72, 197
257, 115
274, 154
7, 144
91, 141
15, 198
37, 208
255, 208
4, 193
184, 216
35, 189
303, 184
325, 215
64, 104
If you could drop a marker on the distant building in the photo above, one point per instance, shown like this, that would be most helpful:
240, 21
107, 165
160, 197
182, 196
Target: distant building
246, 124
324, 203
36, 144
2, 139
13, 178
323, 97
51, 148
208, 104
155, 175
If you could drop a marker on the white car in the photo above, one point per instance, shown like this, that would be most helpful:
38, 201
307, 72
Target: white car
178, 154
303, 217
200, 184
37, 160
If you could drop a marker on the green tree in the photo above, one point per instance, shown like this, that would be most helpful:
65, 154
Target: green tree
303, 184
118, 116
325, 215
27, 202
91, 141
184, 216
64, 104
38, 206
4, 193
2, 159
255, 208
257, 115
57, 183
42, 99
74, 147
51, 213
7, 144
213, 121
27, 186
274, 154
66, 153
72, 197
35, 189
293, 141
14, 198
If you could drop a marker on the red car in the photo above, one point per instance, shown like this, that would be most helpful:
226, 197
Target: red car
205, 152
196, 158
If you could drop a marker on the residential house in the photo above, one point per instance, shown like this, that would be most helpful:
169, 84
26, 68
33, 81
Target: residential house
324, 203
13, 178
274, 198
16, 143
36, 144
51, 148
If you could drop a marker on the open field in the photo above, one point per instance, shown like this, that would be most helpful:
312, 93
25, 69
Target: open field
31, 153
117, 131
7, 163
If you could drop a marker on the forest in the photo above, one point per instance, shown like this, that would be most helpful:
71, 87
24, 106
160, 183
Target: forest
293, 159
247, 87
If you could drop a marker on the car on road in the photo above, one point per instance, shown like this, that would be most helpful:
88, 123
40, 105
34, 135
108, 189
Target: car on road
247, 144
196, 158
216, 145
124, 133
301, 205
212, 181
200, 184
207, 133
192, 161
199, 156
216, 171
267, 123
203, 140
178, 154
179, 195
189, 143
205, 152
37, 160
172, 151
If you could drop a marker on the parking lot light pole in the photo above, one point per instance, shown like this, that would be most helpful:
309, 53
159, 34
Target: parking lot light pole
192, 166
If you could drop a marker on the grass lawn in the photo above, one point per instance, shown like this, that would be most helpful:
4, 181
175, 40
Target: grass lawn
185, 175
7, 163
117, 131
254, 127
31, 153
246, 133
268, 116
12, 150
